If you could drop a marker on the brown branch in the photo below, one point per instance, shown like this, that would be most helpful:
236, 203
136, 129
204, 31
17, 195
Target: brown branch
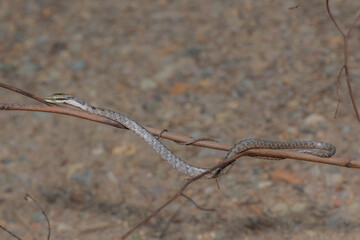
181, 138
22, 92
346, 37
180, 193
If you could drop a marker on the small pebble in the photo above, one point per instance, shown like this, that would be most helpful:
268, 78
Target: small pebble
298, 207
83, 178
313, 120
77, 65
111, 177
38, 217
264, 184
279, 209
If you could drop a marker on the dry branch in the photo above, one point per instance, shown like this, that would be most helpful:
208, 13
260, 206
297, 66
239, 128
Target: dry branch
345, 67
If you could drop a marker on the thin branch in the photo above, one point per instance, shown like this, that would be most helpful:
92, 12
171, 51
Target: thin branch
172, 218
180, 192
337, 91
22, 92
346, 58
181, 138
9, 232
197, 205
27, 197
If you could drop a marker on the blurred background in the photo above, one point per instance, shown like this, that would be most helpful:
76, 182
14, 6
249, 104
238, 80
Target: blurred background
222, 69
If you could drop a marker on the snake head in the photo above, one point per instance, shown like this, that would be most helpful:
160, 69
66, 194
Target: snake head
58, 98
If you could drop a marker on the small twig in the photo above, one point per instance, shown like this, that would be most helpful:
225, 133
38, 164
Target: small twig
195, 140
179, 193
346, 37
9, 232
294, 7
161, 133
196, 205
172, 218
22, 92
27, 197
337, 91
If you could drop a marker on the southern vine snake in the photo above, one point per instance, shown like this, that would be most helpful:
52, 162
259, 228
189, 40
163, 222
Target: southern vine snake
176, 162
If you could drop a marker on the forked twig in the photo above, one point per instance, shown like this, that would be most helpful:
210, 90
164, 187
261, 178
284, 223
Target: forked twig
346, 37
180, 193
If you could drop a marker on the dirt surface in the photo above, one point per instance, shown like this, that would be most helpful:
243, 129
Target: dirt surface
223, 69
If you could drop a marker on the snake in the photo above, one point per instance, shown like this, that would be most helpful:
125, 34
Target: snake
175, 161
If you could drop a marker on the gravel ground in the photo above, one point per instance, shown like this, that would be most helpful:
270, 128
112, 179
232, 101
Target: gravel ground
223, 69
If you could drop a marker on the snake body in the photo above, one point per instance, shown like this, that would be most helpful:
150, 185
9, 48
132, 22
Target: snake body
302, 146
171, 158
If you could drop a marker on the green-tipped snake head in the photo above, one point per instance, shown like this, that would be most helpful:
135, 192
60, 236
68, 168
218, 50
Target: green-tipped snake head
58, 98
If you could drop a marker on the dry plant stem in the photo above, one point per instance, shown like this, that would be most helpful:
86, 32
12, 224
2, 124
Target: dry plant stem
9, 232
197, 205
181, 138
197, 140
172, 218
180, 193
337, 91
27, 197
22, 92
346, 37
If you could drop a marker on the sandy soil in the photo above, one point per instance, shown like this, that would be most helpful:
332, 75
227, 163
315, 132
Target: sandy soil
223, 69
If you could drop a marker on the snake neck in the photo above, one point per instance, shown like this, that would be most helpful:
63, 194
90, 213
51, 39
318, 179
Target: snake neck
81, 104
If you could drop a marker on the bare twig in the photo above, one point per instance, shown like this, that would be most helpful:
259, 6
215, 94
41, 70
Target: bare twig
346, 37
337, 90
180, 192
9, 232
27, 197
197, 140
22, 92
197, 205
172, 218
